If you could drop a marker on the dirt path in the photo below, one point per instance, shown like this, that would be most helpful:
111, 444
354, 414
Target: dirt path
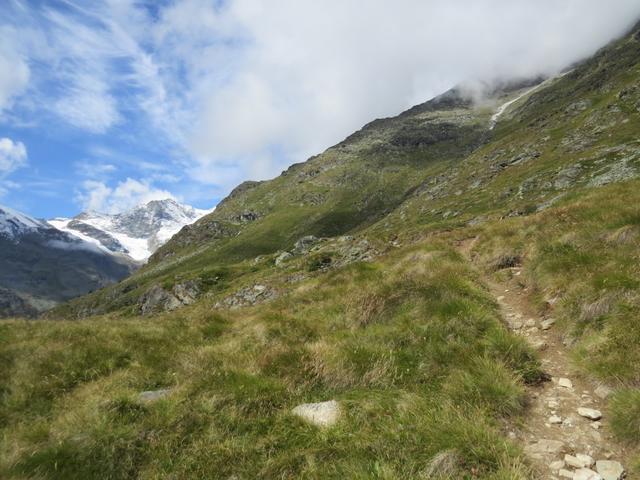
555, 424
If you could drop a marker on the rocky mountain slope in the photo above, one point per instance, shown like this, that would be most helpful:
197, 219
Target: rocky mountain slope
449, 293
41, 266
138, 232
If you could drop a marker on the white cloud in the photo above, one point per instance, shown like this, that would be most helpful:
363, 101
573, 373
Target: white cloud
14, 71
240, 89
309, 73
6, 186
94, 169
99, 197
87, 105
13, 155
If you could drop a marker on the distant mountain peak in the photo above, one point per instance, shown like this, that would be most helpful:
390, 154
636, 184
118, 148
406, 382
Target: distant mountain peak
41, 266
137, 232
14, 223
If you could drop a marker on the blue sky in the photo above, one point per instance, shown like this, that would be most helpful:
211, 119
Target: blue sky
106, 104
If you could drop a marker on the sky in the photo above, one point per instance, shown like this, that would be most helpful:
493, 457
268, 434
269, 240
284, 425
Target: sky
108, 104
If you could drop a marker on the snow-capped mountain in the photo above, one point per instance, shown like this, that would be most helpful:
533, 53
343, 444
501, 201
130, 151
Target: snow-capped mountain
137, 233
41, 266
13, 224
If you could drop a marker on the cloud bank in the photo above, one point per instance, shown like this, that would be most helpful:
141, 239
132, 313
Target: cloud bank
98, 197
238, 89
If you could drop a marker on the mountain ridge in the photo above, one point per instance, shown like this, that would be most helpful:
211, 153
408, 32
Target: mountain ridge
137, 232
42, 266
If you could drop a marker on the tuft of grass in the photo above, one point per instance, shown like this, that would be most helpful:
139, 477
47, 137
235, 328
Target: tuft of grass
625, 415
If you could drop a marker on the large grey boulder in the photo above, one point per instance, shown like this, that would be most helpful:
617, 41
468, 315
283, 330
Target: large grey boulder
304, 244
283, 257
157, 299
187, 292
248, 296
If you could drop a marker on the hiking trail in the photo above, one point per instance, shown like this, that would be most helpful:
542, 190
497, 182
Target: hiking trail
564, 430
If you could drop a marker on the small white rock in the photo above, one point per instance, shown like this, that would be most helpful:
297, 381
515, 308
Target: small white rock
579, 461
539, 344
545, 447
565, 473
586, 474
555, 420
322, 414
587, 460
610, 470
590, 413
547, 324
153, 395
603, 391
557, 465
530, 323
565, 383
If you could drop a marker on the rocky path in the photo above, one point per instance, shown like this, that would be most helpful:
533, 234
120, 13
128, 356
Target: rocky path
565, 432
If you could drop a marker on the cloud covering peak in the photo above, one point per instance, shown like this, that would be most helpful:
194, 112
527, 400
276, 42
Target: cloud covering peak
223, 91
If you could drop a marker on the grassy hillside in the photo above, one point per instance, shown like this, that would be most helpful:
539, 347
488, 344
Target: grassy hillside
410, 345
380, 312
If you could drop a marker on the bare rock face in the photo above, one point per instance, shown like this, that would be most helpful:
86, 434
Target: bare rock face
157, 299
187, 292
282, 258
248, 296
11, 304
322, 414
304, 244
